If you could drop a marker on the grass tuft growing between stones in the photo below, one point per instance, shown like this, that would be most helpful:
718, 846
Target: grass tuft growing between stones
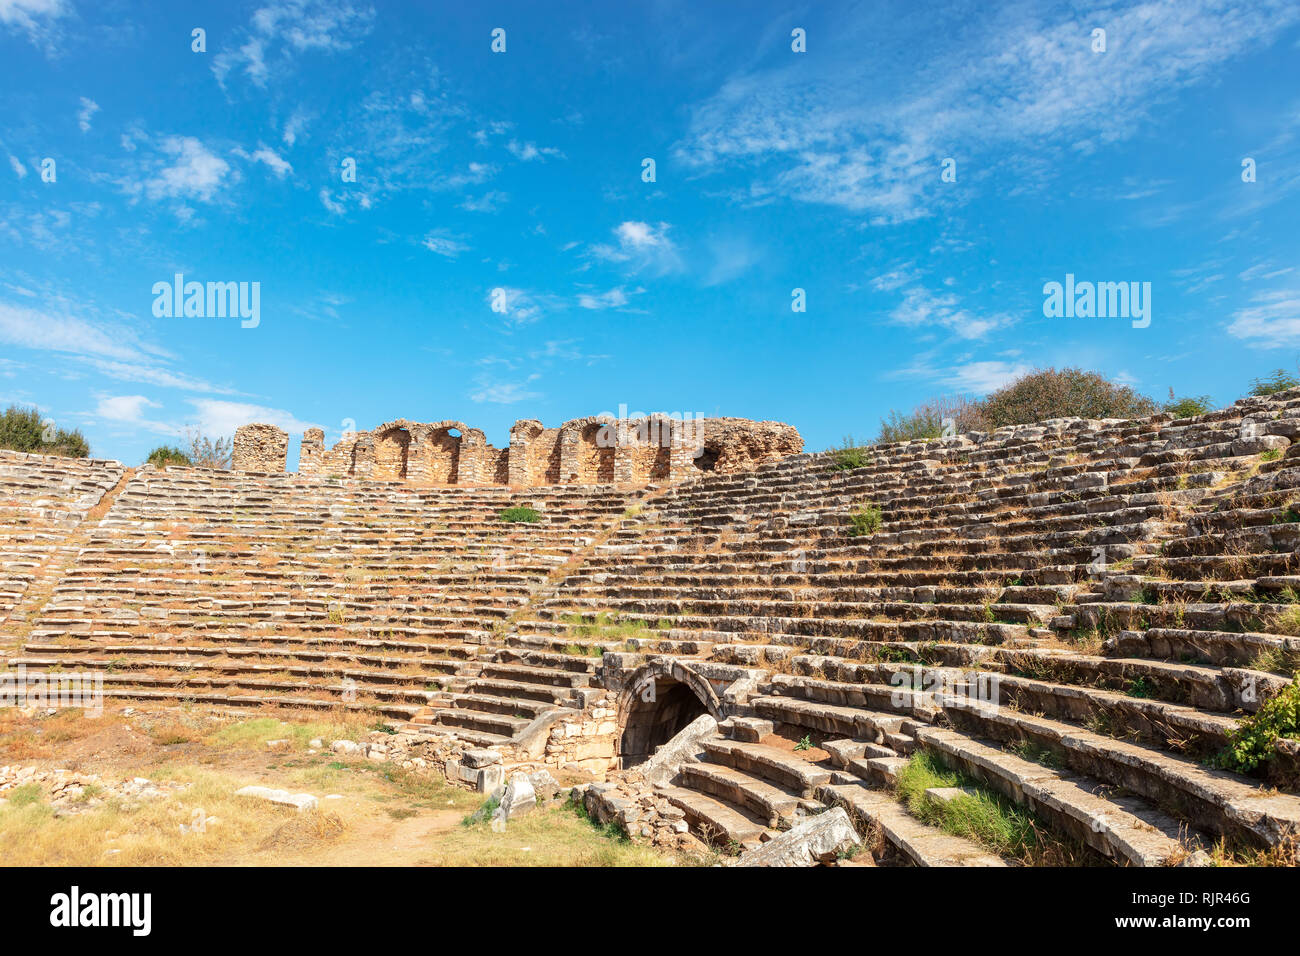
864, 521
986, 817
520, 514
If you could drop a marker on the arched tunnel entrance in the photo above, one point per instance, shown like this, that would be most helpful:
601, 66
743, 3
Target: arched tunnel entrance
656, 705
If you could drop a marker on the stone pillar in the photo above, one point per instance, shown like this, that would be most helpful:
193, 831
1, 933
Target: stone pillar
417, 454
363, 456
260, 448
625, 444
519, 440
472, 461
311, 453
687, 439
570, 449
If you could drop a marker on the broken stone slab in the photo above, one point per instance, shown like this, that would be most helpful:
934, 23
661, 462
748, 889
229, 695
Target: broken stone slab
519, 798
818, 840
750, 729
545, 786
948, 794
686, 746
281, 798
478, 757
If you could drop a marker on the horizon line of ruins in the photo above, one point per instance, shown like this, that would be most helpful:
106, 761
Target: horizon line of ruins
596, 450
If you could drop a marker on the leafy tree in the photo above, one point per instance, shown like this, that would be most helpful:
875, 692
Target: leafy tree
165, 455
1067, 393
21, 429
1279, 380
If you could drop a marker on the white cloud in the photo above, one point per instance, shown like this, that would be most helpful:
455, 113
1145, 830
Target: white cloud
219, 418
983, 377
641, 246
287, 28
19, 169
505, 393
294, 128
521, 307
33, 17
841, 131
1271, 321
88, 109
181, 168
278, 165
29, 328
527, 152
124, 408
490, 201
612, 299
443, 244
921, 307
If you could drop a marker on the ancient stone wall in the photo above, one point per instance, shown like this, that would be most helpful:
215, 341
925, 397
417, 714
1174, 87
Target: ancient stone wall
584, 451
263, 448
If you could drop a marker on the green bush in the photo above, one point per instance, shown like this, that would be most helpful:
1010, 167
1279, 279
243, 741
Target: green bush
1188, 406
21, 429
925, 421
1251, 744
520, 513
863, 521
1067, 393
1279, 380
849, 456
165, 455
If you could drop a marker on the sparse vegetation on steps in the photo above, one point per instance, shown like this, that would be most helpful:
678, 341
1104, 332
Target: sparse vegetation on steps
864, 521
1252, 744
520, 513
849, 456
982, 815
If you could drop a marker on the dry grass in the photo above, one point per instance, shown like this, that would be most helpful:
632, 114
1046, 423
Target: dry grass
382, 815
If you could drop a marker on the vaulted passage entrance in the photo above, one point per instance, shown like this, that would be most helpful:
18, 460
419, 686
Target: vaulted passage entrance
653, 722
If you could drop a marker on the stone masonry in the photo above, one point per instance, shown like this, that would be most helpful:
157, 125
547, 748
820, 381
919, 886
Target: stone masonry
262, 448
584, 451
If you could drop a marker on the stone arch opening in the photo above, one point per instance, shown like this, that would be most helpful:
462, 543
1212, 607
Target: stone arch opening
707, 460
595, 456
444, 456
656, 705
392, 453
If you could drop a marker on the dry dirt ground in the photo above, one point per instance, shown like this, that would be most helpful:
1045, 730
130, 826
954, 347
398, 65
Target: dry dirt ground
369, 814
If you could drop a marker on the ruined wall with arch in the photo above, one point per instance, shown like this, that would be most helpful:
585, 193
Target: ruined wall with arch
596, 450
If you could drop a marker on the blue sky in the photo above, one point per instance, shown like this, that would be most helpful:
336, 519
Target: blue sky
522, 171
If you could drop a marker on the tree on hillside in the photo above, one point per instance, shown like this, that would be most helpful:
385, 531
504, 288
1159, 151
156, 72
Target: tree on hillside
21, 429
927, 419
1067, 393
1279, 380
207, 452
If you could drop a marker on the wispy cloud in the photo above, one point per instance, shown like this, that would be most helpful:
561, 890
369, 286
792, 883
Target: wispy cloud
1272, 320
36, 18
504, 393
88, 109
641, 246
832, 130
280, 31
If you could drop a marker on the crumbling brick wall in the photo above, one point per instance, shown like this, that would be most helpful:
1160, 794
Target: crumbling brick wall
259, 447
588, 451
